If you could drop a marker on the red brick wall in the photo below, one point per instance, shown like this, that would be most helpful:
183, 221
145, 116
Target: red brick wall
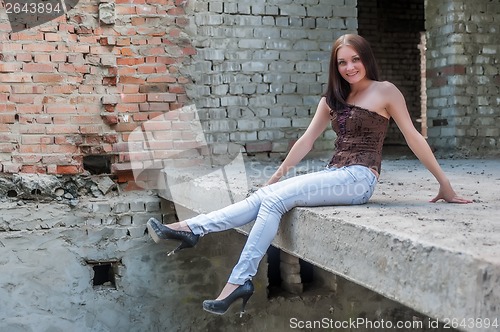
75, 87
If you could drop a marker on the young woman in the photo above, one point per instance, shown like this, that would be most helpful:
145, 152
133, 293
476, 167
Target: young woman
359, 107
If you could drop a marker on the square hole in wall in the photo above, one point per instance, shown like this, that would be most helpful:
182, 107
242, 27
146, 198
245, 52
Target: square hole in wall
104, 274
97, 164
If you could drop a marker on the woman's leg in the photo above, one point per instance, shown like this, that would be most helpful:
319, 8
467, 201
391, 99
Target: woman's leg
353, 185
234, 215
337, 186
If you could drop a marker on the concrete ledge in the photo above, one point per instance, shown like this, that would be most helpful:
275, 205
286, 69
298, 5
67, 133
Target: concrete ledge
442, 260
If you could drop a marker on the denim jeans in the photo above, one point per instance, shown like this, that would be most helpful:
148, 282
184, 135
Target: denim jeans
332, 186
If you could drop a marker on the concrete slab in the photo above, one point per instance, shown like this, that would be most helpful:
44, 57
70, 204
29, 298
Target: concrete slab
441, 259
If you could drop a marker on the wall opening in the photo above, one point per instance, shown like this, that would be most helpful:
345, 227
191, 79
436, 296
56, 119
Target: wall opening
394, 31
104, 274
273, 271
306, 274
97, 164
36, 192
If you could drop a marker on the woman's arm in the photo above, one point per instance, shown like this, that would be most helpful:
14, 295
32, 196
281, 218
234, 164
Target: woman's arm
396, 107
305, 143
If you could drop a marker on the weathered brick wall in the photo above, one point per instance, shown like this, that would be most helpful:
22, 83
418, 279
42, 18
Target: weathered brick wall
463, 81
261, 66
75, 86
393, 29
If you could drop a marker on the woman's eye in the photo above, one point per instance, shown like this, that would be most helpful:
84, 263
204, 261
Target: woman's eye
355, 60
341, 63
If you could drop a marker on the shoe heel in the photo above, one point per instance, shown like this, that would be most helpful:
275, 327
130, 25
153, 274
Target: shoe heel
245, 300
179, 247
160, 232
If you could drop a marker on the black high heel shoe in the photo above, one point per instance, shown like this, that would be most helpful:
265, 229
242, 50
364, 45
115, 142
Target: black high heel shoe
159, 232
220, 307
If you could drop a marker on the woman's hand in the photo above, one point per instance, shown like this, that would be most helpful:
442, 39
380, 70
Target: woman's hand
273, 179
448, 194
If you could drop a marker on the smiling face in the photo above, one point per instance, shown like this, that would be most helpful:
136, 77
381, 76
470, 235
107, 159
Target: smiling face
351, 62
349, 65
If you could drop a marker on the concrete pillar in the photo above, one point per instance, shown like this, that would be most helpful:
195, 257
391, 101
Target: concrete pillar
290, 273
462, 76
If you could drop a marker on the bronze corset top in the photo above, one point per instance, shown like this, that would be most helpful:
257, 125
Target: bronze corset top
360, 137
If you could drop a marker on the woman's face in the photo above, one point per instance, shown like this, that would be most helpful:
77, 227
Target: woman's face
349, 64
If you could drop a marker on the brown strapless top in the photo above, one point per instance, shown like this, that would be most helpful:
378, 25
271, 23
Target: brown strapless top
360, 137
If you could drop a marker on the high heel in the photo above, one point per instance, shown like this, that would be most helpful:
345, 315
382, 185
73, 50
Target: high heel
159, 232
220, 307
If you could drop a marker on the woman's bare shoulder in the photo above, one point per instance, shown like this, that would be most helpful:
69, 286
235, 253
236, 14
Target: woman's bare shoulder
386, 86
390, 91
323, 105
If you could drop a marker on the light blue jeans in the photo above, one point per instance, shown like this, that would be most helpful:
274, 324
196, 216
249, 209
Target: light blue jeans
332, 186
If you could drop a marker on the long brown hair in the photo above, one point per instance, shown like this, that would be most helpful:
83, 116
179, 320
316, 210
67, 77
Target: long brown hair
338, 88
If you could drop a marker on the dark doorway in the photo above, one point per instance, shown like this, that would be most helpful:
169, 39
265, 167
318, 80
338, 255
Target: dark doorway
394, 30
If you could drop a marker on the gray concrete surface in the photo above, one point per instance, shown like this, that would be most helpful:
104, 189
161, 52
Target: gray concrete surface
48, 249
442, 260
47, 253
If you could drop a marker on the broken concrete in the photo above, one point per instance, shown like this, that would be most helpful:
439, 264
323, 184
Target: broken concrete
107, 14
62, 188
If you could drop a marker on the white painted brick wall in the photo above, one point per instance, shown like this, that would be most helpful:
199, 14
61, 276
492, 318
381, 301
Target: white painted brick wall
264, 65
466, 38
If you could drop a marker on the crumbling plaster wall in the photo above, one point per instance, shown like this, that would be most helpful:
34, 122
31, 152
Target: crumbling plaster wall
47, 252
78, 86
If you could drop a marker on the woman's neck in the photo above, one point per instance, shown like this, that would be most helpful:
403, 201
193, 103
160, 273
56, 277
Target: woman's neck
360, 86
